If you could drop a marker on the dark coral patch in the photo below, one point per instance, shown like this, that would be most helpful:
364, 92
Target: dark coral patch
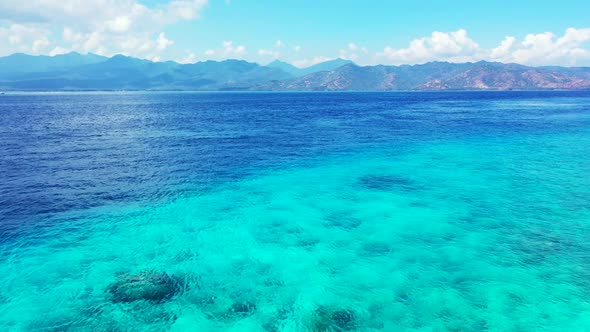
342, 221
332, 319
387, 183
243, 308
536, 246
344, 319
146, 285
376, 249
238, 310
307, 242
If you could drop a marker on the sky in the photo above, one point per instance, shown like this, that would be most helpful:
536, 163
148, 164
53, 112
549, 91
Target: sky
303, 32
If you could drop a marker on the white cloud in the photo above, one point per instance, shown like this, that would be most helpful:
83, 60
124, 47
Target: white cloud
310, 62
453, 46
130, 27
119, 24
574, 37
162, 42
228, 50
189, 58
93, 15
275, 53
183, 9
505, 47
99, 26
269, 53
545, 48
58, 50
535, 49
21, 38
40, 45
142, 45
353, 52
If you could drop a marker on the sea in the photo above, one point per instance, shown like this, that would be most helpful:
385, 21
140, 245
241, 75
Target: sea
284, 212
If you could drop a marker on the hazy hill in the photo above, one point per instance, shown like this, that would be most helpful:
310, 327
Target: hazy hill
75, 71
298, 72
122, 72
286, 67
24, 63
439, 76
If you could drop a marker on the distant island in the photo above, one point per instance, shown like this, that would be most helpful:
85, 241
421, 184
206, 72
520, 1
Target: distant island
79, 72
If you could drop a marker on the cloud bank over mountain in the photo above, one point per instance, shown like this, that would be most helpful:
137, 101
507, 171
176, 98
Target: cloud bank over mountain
103, 27
162, 30
536, 49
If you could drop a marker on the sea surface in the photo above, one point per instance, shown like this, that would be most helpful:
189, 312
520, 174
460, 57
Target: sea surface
449, 211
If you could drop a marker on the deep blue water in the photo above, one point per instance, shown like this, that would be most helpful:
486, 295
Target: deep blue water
63, 152
398, 210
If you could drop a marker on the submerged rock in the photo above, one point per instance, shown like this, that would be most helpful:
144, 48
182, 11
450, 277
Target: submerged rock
238, 310
271, 327
331, 319
344, 319
243, 308
146, 285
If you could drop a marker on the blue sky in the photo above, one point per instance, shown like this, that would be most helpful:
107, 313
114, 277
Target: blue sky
303, 32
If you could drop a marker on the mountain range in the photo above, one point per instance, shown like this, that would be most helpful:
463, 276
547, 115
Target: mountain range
75, 71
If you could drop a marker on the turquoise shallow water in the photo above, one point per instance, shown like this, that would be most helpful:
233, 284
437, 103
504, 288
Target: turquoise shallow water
476, 231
